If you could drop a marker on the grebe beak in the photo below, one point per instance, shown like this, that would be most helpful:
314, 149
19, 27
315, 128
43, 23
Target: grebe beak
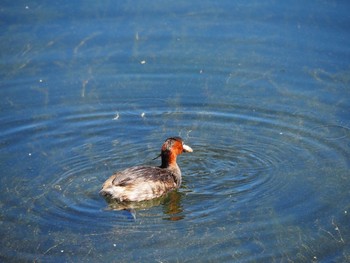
187, 148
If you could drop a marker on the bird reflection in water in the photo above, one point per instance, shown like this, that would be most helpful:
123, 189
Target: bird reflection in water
171, 203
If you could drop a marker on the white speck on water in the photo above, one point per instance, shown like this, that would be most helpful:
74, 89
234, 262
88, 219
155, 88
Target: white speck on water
27, 7
40, 80
116, 117
143, 115
62, 251
114, 245
281, 133
30, 154
143, 62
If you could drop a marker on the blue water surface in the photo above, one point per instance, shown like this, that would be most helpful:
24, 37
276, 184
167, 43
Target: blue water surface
258, 89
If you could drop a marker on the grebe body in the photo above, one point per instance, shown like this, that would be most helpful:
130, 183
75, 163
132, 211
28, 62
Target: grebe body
141, 183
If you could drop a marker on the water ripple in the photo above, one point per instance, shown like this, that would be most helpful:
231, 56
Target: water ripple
242, 159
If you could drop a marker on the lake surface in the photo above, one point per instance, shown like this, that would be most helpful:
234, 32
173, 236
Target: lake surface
259, 89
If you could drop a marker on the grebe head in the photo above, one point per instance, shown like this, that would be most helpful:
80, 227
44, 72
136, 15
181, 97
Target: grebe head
172, 147
175, 145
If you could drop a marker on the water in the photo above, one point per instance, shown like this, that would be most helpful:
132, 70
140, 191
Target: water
260, 91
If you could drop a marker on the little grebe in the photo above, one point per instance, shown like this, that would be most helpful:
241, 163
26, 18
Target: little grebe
141, 183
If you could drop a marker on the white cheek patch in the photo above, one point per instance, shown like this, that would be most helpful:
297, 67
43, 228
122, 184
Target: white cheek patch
187, 148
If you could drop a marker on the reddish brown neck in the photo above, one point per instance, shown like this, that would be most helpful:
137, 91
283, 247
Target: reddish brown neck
168, 159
